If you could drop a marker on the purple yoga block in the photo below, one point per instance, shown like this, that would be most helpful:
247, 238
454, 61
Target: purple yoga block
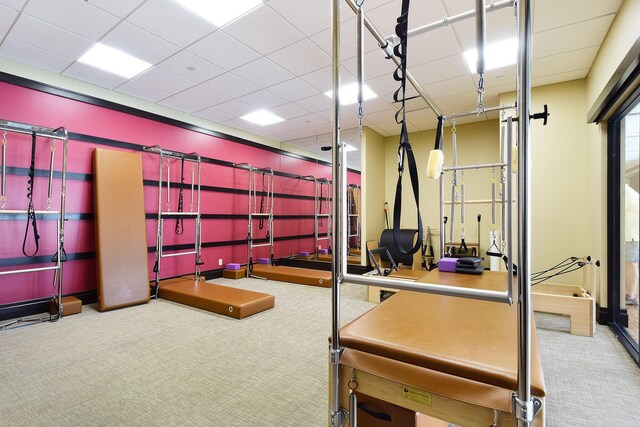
233, 266
263, 261
323, 251
303, 254
448, 265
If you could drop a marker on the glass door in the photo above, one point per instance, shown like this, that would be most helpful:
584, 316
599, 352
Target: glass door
629, 221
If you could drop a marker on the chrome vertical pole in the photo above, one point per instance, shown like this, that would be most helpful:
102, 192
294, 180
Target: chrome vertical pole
63, 198
443, 231
481, 30
525, 407
336, 413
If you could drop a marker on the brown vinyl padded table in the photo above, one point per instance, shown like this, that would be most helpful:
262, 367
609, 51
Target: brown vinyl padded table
458, 351
232, 302
302, 276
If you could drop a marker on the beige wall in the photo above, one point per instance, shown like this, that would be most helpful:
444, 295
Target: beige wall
373, 183
565, 178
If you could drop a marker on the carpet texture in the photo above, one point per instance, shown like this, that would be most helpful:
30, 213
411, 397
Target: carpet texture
167, 364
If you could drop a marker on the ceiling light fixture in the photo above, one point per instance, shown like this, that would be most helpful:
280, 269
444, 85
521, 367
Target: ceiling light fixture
218, 12
348, 148
113, 61
497, 55
262, 118
349, 94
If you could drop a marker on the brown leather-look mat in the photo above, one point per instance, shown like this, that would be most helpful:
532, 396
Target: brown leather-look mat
232, 302
121, 239
302, 276
471, 339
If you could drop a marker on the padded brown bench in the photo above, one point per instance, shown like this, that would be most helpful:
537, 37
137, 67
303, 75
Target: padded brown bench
451, 358
302, 276
351, 259
232, 302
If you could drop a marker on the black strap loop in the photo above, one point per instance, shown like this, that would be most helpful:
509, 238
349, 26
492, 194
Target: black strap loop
31, 214
261, 221
378, 415
404, 147
439, 132
179, 219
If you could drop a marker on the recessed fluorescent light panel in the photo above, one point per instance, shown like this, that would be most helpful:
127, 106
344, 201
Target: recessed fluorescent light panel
113, 61
496, 55
349, 94
262, 118
349, 147
220, 12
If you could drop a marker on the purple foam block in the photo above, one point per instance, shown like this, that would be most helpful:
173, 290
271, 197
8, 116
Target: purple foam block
233, 266
303, 254
263, 261
448, 265
323, 251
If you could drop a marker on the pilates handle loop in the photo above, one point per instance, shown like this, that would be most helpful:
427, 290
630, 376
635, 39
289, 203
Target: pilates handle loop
31, 214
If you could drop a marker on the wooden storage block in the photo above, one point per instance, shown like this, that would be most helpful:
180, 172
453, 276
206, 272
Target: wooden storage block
569, 300
70, 305
234, 274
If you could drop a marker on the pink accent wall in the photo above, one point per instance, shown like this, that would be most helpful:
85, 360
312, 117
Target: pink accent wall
39, 108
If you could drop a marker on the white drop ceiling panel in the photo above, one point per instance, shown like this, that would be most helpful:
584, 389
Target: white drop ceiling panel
262, 99
191, 67
301, 57
375, 65
7, 16
440, 70
165, 80
571, 37
548, 14
34, 56
41, 34
231, 85
321, 79
78, 17
120, 8
205, 96
92, 75
223, 50
182, 103
235, 108
264, 31
13, 4
293, 90
242, 124
501, 25
347, 40
309, 120
450, 87
309, 16
567, 61
142, 91
433, 45
263, 72
139, 43
315, 103
560, 77
383, 85
170, 21
215, 114
289, 111
373, 105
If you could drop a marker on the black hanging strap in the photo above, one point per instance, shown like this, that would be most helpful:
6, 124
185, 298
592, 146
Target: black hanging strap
439, 131
320, 205
261, 221
31, 213
404, 147
179, 219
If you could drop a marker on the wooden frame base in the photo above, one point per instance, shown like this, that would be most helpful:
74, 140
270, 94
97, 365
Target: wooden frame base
568, 300
431, 404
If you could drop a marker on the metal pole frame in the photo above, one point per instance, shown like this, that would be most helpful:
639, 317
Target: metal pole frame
524, 405
327, 199
197, 245
61, 134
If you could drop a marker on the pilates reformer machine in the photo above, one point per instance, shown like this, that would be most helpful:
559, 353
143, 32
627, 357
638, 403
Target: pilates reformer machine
191, 290
194, 160
447, 348
38, 133
262, 211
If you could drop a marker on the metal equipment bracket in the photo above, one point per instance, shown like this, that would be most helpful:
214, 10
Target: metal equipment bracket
339, 418
335, 355
526, 411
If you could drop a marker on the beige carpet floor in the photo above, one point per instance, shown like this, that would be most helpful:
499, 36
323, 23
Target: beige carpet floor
166, 364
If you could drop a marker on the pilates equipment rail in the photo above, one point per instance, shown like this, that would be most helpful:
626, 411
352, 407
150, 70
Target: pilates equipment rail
60, 134
524, 405
196, 162
265, 211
